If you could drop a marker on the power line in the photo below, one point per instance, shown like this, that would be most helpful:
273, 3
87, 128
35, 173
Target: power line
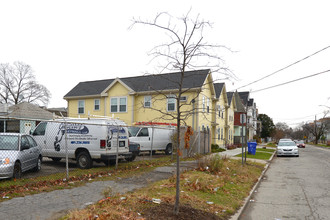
281, 84
284, 68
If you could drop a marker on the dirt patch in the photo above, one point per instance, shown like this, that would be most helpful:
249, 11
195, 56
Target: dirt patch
164, 211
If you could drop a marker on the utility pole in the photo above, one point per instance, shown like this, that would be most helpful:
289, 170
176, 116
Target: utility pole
315, 129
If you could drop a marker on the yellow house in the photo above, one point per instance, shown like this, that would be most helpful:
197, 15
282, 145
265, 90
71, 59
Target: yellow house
220, 114
231, 115
148, 98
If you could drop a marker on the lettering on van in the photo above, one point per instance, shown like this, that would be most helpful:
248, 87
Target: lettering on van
71, 129
113, 134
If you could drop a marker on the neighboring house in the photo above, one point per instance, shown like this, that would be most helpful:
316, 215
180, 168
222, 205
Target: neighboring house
230, 119
220, 129
148, 98
21, 118
239, 128
251, 110
61, 112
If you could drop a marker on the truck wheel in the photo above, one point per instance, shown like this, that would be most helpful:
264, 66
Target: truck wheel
17, 171
84, 161
168, 150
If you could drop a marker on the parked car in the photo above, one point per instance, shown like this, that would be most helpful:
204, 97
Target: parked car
300, 144
18, 153
284, 139
287, 148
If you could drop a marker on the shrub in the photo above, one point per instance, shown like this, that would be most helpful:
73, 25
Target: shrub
231, 146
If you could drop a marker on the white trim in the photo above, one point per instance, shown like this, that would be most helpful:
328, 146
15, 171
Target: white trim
104, 92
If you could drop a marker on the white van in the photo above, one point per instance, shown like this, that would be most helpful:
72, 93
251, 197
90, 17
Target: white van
155, 138
87, 140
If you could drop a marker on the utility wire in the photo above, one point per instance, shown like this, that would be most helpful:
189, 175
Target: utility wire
281, 84
284, 67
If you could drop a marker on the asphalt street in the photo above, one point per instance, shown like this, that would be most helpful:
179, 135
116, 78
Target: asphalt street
293, 188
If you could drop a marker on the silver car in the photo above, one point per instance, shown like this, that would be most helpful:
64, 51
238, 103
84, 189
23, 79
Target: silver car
18, 153
287, 148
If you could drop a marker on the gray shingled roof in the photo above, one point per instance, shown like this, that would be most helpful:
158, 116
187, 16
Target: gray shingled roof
28, 110
192, 79
218, 88
244, 97
230, 97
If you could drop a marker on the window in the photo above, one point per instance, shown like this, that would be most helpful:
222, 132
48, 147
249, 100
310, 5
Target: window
31, 141
118, 104
147, 101
219, 110
40, 129
208, 105
183, 99
143, 132
97, 104
24, 142
122, 104
218, 131
81, 107
203, 103
221, 133
171, 103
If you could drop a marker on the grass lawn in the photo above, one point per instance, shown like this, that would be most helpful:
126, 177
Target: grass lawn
260, 154
266, 150
215, 190
11, 188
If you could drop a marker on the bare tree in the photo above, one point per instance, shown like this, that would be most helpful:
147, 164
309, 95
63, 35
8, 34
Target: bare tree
185, 50
318, 128
18, 84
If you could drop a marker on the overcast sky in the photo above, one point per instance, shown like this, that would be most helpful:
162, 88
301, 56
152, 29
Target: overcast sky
66, 42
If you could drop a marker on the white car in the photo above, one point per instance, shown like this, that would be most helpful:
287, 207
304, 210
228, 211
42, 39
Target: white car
287, 148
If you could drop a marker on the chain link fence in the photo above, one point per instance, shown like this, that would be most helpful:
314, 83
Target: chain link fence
59, 147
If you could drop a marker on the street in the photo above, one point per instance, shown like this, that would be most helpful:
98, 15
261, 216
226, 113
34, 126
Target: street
293, 188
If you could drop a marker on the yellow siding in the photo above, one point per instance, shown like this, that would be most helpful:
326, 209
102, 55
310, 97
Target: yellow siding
158, 110
118, 90
205, 98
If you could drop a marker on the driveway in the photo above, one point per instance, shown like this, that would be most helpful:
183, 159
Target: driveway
293, 188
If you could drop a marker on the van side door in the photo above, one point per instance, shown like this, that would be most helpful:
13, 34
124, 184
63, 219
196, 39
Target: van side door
144, 139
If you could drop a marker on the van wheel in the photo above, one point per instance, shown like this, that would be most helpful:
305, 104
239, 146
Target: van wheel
84, 161
37, 168
168, 150
17, 171
131, 158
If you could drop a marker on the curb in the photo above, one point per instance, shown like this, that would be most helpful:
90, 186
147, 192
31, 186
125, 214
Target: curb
238, 214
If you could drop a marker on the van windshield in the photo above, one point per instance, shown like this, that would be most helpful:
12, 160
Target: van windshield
8, 142
133, 131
